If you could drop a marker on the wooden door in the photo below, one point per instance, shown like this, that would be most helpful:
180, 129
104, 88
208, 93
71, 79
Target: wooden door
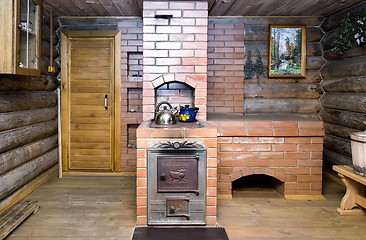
90, 120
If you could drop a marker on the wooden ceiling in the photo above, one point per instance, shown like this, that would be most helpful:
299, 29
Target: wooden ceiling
217, 7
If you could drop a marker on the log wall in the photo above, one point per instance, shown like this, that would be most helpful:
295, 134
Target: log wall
28, 122
344, 82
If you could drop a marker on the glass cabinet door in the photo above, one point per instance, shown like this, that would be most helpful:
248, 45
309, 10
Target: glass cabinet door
28, 34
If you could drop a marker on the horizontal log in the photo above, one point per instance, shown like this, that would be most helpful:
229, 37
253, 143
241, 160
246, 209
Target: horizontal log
356, 51
328, 40
335, 20
282, 90
10, 120
307, 106
312, 76
337, 144
18, 101
314, 62
92, 27
347, 85
46, 20
331, 158
314, 34
344, 68
28, 83
45, 50
256, 33
45, 63
46, 35
314, 49
263, 20
18, 177
338, 130
259, 33
347, 119
64, 21
17, 137
354, 102
18, 156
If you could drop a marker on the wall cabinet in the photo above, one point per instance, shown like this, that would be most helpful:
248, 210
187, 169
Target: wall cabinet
20, 37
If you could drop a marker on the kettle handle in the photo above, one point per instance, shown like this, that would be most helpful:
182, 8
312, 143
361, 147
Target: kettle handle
161, 103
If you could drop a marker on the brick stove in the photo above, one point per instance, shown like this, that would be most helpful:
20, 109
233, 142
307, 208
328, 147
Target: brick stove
175, 70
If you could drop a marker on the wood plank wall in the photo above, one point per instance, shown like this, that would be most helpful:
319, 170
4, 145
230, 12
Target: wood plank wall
344, 101
298, 96
28, 122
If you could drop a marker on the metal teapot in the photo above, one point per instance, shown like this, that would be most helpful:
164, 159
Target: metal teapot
188, 114
165, 117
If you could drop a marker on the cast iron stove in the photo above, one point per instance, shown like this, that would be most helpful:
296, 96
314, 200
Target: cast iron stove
177, 184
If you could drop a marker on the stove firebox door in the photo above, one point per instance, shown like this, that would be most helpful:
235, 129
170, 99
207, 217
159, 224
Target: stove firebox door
177, 174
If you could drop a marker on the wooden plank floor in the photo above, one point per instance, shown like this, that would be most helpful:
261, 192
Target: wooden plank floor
82, 208
267, 216
95, 208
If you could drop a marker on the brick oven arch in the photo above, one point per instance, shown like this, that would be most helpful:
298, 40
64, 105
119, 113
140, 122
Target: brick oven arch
182, 78
243, 172
198, 82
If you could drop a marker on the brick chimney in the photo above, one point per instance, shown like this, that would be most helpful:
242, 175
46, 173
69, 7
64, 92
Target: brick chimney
174, 51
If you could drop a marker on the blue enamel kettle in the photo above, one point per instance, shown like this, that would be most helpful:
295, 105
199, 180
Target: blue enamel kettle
187, 114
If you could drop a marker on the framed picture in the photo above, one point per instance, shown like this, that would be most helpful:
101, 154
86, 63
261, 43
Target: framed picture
287, 51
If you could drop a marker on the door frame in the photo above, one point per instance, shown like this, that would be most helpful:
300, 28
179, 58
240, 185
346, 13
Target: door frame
65, 98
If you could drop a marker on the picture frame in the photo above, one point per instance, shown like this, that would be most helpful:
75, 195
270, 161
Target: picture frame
287, 51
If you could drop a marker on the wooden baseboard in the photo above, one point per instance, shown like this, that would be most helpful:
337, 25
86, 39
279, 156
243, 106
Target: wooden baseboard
102, 174
224, 196
27, 189
305, 197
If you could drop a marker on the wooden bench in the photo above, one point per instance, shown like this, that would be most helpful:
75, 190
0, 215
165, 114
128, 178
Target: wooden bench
355, 191
15, 215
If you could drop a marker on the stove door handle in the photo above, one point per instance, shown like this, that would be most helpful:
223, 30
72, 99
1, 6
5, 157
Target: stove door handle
163, 176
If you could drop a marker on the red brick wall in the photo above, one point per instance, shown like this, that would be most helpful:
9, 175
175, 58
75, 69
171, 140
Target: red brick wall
175, 50
131, 89
289, 151
225, 67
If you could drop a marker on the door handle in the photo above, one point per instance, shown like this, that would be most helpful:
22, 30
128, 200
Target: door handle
163, 177
106, 102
